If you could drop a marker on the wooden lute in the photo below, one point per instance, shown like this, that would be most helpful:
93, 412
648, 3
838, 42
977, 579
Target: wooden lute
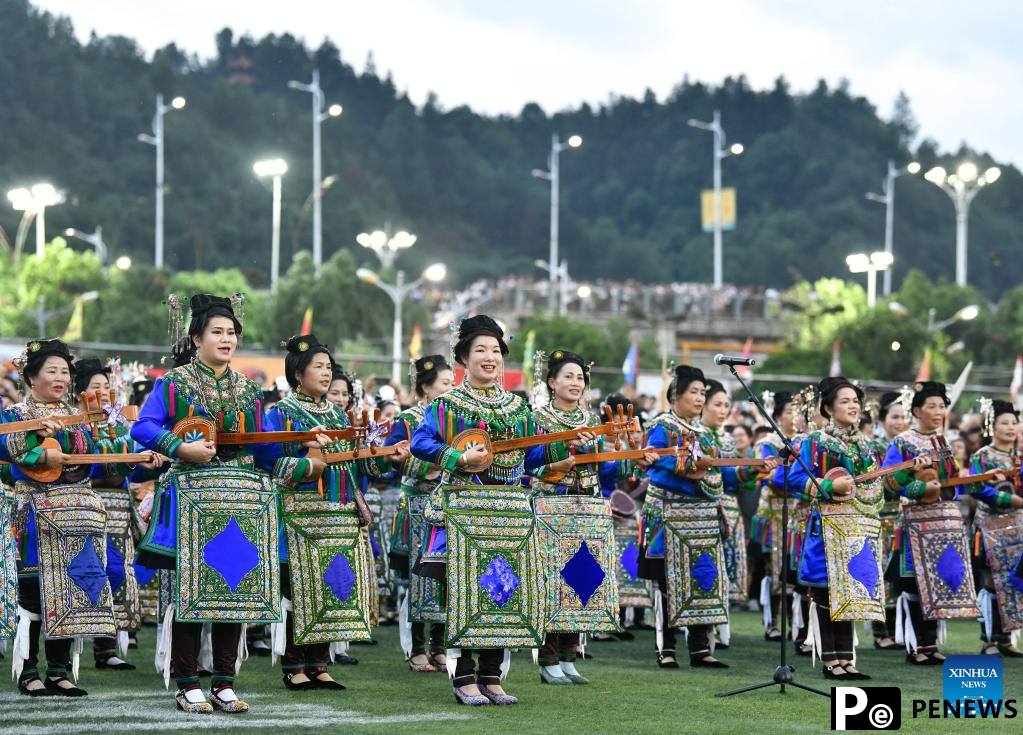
616, 425
70, 471
598, 457
939, 453
94, 413
200, 428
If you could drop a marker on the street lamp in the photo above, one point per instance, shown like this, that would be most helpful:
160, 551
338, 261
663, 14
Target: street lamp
559, 275
93, 238
156, 139
965, 314
553, 175
398, 292
34, 200
887, 197
962, 187
386, 247
319, 115
275, 168
123, 263
870, 264
720, 153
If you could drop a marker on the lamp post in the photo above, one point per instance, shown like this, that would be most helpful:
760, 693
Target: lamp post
870, 264
42, 315
319, 115
93, 238
720, 153
156, 139
887, 197
962, 187
275, 168
33, 202
553, 175
386, 246
398, 291
559, 282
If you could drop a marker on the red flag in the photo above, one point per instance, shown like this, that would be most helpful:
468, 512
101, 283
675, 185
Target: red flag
925, 367
747, 353
307, 322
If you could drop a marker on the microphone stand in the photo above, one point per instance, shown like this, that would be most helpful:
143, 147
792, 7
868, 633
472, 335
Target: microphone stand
783, 674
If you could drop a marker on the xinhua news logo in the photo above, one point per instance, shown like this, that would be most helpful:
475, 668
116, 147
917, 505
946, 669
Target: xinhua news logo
866, 708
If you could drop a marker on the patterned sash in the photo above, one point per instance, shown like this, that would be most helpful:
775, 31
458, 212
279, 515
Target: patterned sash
76, 598
1003, 542
425, 598
8, 570
941, 560
734, 549
853, 553
633, 591
228, 560
331, 578
697, 582
495, 580
576, 536
121, 557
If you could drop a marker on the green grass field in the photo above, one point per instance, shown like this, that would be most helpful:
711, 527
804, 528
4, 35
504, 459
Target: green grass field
627, 694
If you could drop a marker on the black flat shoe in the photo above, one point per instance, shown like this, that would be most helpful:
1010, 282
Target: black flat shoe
856, 674
624, 636
53, 684
772, 635
706, 662
927, 660
1009, 651
836, 672
664, 662
300, 686
327, 683
722, 646
113, 662
343, 660
38, 692
892, 645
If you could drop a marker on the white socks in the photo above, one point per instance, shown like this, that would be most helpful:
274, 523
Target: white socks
194, 696
555, 670
227, 695
568, 667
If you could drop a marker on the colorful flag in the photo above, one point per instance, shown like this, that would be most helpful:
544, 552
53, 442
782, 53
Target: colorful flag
415, 345
73, 333
1017, 381
925, 367
527, 358
747, 352
836, 359
307, 322
630, 368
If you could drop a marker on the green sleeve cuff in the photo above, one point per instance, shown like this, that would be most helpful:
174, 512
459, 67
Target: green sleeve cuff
915, 489
32, 456
449, 459
300, 470
904, 477
1003, 500
556, 452
827, 490
168, 444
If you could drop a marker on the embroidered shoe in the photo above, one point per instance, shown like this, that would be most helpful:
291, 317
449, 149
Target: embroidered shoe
496, 698
472, 700
227, 701
548, 678
198, 707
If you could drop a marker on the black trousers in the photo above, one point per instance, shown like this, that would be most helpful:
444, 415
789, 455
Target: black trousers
299, 658
419, 638
885, 628
185, 645
489, 672
836, 636
926, 630
58, 652
699, 635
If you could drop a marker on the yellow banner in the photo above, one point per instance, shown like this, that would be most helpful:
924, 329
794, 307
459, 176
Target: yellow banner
728, 209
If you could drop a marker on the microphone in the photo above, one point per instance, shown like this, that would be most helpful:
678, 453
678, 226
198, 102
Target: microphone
734, 361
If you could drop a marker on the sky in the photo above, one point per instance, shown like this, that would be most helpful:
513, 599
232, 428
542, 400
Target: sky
961, 63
